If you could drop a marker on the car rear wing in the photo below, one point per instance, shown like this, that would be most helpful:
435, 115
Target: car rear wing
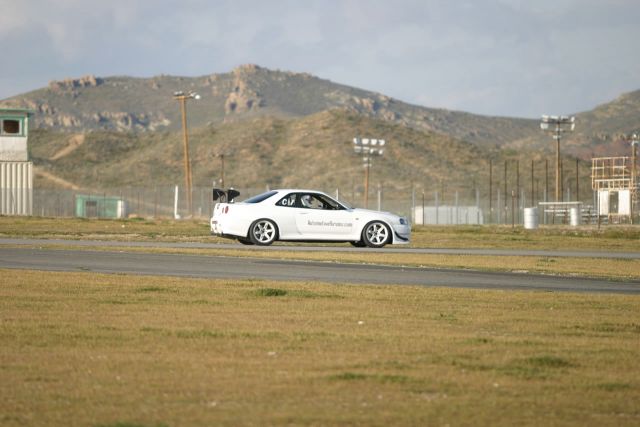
225, 196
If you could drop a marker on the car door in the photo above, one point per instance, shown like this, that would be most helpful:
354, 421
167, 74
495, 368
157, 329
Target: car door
285, 215
321, 218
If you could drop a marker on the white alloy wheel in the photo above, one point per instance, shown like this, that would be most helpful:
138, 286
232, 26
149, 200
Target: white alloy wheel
263, 232
376, 234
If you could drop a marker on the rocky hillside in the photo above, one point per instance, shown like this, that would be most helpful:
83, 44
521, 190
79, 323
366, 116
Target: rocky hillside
146, 104
283, 129
313, 151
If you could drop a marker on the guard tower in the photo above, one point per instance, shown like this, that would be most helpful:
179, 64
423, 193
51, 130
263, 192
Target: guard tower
615, 179
16, 171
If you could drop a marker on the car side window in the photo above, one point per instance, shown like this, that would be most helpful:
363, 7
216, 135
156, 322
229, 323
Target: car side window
311, 201
288, 201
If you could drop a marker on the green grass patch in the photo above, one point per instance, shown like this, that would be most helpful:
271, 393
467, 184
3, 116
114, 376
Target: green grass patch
269, 292
199, 334
548, 362
348, 376
614, 386
152, 289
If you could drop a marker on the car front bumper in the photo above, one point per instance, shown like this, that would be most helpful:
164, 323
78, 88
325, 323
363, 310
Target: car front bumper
401, 234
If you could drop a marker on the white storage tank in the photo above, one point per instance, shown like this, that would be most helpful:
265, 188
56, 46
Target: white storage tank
574, 218
530, 218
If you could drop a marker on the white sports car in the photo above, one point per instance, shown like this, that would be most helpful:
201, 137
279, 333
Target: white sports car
303, 215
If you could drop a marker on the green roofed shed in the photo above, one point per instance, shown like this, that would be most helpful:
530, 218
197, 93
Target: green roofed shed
88, 206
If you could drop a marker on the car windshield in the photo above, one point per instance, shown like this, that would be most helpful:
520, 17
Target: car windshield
260, 197
345, 204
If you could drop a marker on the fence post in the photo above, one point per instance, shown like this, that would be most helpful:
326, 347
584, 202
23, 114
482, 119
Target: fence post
477, 206
457, 211
413, 204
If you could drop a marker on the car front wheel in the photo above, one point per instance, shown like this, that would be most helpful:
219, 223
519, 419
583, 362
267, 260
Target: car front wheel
376, 234
263, 232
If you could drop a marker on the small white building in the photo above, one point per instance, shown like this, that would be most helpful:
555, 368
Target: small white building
447, 215
16, 171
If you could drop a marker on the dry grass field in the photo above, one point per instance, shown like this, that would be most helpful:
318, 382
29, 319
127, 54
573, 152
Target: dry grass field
123, 351
136, 351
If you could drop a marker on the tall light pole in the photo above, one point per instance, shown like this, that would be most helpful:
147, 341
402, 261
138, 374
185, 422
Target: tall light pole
368, 148
182, 98
558, 125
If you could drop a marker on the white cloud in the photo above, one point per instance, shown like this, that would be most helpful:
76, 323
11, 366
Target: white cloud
510, 57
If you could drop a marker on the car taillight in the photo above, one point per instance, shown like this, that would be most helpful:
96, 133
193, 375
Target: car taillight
226, 209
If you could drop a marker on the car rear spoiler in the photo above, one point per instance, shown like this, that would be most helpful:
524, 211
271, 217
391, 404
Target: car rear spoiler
225, 196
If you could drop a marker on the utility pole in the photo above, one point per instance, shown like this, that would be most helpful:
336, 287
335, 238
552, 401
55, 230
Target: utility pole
532, 189
635, 140
557, 125
518, 189
577, 180
505, 191
222, 156
367, 148
546, 179
182, 98
490, 191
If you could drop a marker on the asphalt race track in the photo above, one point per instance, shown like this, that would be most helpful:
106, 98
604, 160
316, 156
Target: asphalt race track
252, 268
329, 248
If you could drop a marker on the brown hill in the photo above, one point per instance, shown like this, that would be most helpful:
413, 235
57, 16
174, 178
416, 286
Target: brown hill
284, 129
250, 91
314, 151
146, 104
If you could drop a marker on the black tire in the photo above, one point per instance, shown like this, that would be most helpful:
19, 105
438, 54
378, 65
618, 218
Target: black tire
376, 234
245, 241
263, 232
358, 244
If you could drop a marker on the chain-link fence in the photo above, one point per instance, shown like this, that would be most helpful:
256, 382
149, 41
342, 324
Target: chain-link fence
462, 206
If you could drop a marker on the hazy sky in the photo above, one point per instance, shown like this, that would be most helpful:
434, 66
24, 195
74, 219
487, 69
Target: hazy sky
495, 57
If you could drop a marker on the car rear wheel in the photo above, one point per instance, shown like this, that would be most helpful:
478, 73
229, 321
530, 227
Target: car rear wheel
263, 232
358, 244
245, 241
376, 234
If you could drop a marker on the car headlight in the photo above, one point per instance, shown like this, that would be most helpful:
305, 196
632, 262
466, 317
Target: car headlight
403, 221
